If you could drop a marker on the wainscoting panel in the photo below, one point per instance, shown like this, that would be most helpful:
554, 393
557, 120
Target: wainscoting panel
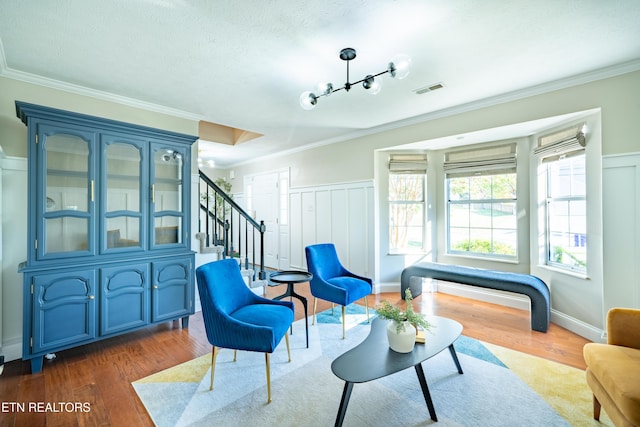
341, 214
621, 217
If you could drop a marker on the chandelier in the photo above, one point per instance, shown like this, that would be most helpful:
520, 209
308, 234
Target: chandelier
398, 68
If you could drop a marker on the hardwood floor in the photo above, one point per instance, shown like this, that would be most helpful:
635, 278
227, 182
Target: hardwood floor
98, 376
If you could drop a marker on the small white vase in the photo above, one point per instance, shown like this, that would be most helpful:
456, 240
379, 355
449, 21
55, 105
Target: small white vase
403, 341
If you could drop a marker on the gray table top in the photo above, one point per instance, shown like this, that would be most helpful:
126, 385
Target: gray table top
372, 358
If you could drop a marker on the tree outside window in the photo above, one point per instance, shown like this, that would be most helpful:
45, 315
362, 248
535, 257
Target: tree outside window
406, 213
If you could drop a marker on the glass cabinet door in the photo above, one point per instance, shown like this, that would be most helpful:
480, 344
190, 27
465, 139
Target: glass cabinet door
66, 193
168, 200
123, 167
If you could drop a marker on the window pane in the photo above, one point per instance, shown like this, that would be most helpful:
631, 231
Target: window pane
482, 215
406, 187
504, 186
459, 238
406, 213
567, 177
480, 240
480, 187
504, 215
505, 242
459, 215
567, 213
458, 188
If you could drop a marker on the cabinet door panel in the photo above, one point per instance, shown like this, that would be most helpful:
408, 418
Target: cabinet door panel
65, 192
172, 295
63, 309
124, 302
123, 195
169, 201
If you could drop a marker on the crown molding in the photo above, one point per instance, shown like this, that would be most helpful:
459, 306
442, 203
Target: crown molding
10, 73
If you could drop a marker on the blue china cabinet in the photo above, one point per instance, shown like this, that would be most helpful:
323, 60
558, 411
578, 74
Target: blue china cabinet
108, 234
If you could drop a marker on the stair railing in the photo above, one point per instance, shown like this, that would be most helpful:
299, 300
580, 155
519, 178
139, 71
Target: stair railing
226, 224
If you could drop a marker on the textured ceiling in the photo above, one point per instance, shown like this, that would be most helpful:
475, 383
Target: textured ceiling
245, 63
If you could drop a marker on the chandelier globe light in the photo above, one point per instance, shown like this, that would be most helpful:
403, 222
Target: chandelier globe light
398, 68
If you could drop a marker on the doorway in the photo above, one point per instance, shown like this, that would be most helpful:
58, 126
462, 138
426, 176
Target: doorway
267, 199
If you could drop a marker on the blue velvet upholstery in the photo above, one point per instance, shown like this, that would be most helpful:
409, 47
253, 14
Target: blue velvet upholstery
235, 317
238, 319
331, 281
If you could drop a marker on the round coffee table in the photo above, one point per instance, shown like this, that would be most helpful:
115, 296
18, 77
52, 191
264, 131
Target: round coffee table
373, 359
291, 278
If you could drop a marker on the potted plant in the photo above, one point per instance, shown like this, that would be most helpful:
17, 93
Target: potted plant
402, 329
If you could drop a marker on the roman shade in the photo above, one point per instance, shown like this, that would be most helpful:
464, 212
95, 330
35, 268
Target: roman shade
564, 143
488, 160
408, 163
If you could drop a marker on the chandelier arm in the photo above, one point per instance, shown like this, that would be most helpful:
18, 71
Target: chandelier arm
373, 75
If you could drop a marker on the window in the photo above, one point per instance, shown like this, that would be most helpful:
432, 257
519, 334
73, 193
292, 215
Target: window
566, 217
563, 189
482, 215
482, 202
406, 202
406, 213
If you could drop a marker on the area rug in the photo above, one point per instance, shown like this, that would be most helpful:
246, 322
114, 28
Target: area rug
499, 387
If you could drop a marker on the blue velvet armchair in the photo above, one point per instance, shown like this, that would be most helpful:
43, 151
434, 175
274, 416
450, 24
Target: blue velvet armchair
236, 318
332, 281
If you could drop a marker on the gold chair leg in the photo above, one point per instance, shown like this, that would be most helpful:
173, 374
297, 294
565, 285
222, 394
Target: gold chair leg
332, 305
315, 306
344, 321
214, 354
235, 353
366, 308
286, 338
266, 358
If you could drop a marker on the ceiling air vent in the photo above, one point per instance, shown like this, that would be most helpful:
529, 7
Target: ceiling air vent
429, 88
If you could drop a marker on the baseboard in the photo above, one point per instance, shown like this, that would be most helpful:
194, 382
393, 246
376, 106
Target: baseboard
507, 299
578, 327
12, 350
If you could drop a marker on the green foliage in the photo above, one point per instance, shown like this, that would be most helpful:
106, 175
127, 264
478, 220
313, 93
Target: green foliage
390, 312
484, 247
559, 254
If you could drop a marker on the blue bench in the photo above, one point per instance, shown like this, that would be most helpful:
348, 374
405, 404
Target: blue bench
525, 284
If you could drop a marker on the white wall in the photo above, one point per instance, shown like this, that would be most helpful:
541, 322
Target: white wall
341, 214
14, 252
621, 193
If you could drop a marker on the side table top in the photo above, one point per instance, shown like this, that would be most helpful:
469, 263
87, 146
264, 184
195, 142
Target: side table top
290, 276
372, 358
